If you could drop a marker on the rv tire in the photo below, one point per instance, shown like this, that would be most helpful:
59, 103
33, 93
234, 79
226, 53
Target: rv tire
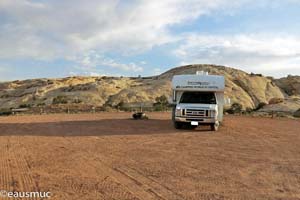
178, 125
214, 127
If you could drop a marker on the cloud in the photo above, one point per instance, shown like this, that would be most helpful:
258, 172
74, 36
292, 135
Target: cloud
71, 29
91, 61
257, 52
58, 29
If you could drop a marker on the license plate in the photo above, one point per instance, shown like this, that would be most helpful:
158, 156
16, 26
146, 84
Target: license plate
195, 123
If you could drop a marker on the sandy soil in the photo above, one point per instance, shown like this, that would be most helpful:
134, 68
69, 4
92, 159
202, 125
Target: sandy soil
109, 156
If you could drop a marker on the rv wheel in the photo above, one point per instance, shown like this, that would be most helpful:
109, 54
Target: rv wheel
177, 125
214, 127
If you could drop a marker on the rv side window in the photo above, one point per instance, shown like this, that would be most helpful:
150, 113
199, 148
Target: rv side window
198, 97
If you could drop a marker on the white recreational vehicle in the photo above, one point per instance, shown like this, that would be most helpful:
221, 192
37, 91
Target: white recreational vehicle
198, 99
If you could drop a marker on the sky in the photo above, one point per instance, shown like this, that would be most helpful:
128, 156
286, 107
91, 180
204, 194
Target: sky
55, 38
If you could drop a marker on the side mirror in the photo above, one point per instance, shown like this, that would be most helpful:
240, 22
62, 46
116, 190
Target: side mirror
171, 102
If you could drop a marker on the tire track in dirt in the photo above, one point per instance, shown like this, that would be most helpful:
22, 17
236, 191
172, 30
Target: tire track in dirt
138, 189
135, 187
136, 181
105, 186
160, 191
139, 185
150, 185
5, 173
15, 170
20, 154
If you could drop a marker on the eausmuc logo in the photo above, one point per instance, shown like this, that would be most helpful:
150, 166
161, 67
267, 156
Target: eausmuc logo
7, 194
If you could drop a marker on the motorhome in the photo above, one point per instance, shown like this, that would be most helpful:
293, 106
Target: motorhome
198, 99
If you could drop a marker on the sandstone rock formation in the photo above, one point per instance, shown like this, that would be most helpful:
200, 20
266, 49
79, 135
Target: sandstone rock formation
250, 90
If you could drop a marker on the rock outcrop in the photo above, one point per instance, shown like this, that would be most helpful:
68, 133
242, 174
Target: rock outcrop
249, 90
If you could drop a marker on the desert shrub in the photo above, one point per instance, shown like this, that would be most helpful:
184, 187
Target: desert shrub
69, 89
5, 96
249, 110
162, 99
77, 101
235, 108
260, 105
275, 100
161, 103
60, 100
108, 108
125, 107
120, 106
25, 106
41, 104
297, 113
158, 108
253, 74
17, 82
49, 82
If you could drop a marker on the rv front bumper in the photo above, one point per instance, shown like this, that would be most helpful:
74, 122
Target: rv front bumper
193, 119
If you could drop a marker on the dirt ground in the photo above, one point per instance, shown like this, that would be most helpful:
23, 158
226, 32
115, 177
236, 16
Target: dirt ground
109, 156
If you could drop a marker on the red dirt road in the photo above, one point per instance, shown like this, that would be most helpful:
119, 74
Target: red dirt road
109, 156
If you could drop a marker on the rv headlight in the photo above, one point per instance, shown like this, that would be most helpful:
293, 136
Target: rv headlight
178, 111
213, 113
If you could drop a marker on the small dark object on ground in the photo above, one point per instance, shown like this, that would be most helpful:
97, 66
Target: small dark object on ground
5, 112
140, 115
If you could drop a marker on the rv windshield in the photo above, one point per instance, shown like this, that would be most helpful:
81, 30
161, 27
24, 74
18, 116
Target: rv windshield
198, 97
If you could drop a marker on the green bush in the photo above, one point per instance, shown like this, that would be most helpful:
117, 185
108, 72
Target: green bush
158, 108
260, 105
41, 104
249, 110
77, 101
60, 100
25, 106
235, 108
161, 103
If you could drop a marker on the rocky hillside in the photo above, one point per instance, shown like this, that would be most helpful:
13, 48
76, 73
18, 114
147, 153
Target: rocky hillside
250, 90
290, 85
